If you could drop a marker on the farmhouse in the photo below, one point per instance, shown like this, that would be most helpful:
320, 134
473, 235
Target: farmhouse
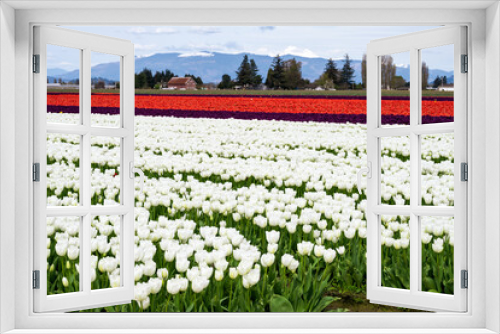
182, 83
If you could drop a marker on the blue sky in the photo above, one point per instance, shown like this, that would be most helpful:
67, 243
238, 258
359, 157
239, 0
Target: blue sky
308, 41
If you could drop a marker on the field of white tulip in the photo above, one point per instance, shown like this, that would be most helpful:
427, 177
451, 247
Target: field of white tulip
246, 216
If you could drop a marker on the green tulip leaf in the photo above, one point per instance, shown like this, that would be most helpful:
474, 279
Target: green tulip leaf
280, 304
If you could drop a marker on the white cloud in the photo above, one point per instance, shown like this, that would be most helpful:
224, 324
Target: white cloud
138, 30
196, 53
165, 30
205, 30
295, 51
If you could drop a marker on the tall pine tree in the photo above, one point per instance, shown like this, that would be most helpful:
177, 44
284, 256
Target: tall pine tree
293, 74
347, 74
269, 79
254, 70
278, 73
244, 73
331, 71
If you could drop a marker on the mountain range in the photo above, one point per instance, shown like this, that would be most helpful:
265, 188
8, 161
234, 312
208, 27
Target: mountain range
210, 66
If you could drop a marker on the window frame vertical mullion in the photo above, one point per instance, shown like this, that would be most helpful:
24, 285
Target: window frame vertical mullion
86, 171
414, 170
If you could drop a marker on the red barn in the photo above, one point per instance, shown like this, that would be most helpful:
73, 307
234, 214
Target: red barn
182, 83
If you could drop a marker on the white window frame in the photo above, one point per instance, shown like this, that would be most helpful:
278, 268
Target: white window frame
483, 103
85, 43
413, 44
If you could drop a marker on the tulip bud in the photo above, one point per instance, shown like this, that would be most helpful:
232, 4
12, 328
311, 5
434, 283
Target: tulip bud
65, 282
233, 273
219, 275
341, 250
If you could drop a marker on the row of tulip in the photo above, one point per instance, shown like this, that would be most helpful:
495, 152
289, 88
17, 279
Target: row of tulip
245, 215
295, 107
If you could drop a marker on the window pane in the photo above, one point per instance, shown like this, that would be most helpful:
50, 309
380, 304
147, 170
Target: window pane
63, 169
63, 254
395, 251
437, 237
395, 89
438, 179
105, 76
106, 254
437, 84
105, 164
395, 170
63, 85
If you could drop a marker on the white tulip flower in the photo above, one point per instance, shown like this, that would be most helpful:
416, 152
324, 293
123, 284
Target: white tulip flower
341, 250
182, 264
267, 260
219, 275
306, 228
272, 248
199, 284
329, 255
437, 245
272, 237
162, 273
173, 286
305, 248
244, 267
61, 248
286, 259
319, 250
293, 265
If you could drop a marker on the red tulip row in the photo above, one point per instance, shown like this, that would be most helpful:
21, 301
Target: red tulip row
436, 108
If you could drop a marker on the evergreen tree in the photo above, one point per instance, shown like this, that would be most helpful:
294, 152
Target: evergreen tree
244, 74
331, 71
144, 79
254, 70
293, 74
278, 74
347, 72
445, 80
157, 77
140, 80
226, 82
269, 79
437, 82
167, 75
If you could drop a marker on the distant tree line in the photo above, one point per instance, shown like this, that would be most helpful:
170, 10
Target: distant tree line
389, 79
146, 79
287, 74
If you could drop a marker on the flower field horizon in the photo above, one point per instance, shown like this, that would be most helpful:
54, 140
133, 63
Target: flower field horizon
250, 203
